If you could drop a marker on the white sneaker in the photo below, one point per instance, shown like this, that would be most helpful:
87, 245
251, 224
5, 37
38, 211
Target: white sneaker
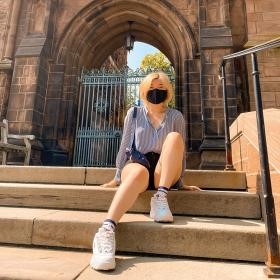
104, 247
160, 211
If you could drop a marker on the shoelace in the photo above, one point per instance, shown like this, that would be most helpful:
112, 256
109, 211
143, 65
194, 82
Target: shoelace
162, 201
105, 241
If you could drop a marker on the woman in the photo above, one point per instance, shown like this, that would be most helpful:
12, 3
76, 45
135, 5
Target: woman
158, 132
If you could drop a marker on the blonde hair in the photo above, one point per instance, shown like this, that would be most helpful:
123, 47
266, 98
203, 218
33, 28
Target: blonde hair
146, 84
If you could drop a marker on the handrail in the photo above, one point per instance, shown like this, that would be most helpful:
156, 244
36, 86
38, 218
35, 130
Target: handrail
268, 208
267, 45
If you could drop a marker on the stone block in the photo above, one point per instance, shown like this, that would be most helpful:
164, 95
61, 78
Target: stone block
271, 16
211, 127
12, 115
194, 78
213, 102
208, 80
43, 264
29, 101
17, 224
268, 27
61, 224
270, 87
196, 131
211, 68
208, 113
16, 101
97, 176
266, 6
95, 198
252, 28
194, 87
46, 174
229, 239
195, 117
218, 113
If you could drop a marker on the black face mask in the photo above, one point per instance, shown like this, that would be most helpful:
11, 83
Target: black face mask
156, 95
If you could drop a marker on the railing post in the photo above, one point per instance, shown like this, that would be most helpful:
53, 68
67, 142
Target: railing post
273, 259
229, 165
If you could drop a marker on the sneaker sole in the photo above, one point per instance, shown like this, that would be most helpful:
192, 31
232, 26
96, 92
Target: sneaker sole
103, 266
161, 221
164, 221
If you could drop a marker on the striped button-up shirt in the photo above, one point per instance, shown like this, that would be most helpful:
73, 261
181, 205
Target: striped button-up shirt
147, 138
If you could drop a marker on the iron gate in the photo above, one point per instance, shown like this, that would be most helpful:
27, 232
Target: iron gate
105, 97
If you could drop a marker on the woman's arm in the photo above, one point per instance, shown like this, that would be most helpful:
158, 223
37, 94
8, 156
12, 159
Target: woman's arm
180, 127
126, 142
127, 137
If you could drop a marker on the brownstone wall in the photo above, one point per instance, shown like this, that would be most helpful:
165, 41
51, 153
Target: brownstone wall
263, 22
55, 39
246, 155
23, 95
269, 68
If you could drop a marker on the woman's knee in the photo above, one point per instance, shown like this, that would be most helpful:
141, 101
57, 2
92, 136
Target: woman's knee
136, 172
174, 138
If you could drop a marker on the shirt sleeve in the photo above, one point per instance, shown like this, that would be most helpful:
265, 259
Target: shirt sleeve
126, 142
180, 127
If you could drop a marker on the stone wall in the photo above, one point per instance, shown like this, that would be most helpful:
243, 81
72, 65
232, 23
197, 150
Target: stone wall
263, 23
55, 39
246, 155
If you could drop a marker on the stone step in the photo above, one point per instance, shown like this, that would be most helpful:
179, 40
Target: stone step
80, 197
46, 264
235, 239
207, 179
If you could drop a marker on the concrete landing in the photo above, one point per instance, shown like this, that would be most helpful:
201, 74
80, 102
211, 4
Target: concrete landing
44, 264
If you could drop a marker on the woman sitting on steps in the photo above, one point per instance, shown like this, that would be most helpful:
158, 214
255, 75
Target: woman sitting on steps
158, 132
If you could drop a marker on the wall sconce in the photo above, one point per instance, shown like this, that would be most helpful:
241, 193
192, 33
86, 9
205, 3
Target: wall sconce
129, 38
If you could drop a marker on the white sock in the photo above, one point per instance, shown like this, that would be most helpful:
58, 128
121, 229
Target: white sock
109, 225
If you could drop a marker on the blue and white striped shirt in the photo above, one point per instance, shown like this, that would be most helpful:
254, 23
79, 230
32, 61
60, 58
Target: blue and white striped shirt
147, 138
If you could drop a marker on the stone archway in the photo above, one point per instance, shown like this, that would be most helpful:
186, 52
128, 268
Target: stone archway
97, 31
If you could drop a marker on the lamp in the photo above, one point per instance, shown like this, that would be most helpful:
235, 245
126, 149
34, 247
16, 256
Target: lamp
129, 38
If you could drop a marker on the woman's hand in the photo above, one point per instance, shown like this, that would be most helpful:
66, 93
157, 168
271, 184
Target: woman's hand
111, 184
190, 188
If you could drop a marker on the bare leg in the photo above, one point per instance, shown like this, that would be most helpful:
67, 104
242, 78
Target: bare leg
135, 179
169, 166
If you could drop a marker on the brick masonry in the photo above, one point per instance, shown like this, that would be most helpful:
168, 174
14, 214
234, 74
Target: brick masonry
51, 49
264, 24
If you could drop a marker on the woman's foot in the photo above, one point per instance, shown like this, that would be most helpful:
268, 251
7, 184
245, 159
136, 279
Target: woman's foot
160, 211
104, 247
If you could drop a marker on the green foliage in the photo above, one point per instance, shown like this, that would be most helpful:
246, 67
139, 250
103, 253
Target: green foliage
159, 62
156, 62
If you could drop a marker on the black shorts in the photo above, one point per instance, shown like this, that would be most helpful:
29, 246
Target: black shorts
153, 160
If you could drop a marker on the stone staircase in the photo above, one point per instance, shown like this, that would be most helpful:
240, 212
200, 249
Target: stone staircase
63, 207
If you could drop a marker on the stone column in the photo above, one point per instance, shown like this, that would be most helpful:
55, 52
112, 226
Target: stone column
215, 42
6, 65
29, 82
10, 45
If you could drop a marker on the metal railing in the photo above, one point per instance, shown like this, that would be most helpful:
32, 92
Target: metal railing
273, 258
